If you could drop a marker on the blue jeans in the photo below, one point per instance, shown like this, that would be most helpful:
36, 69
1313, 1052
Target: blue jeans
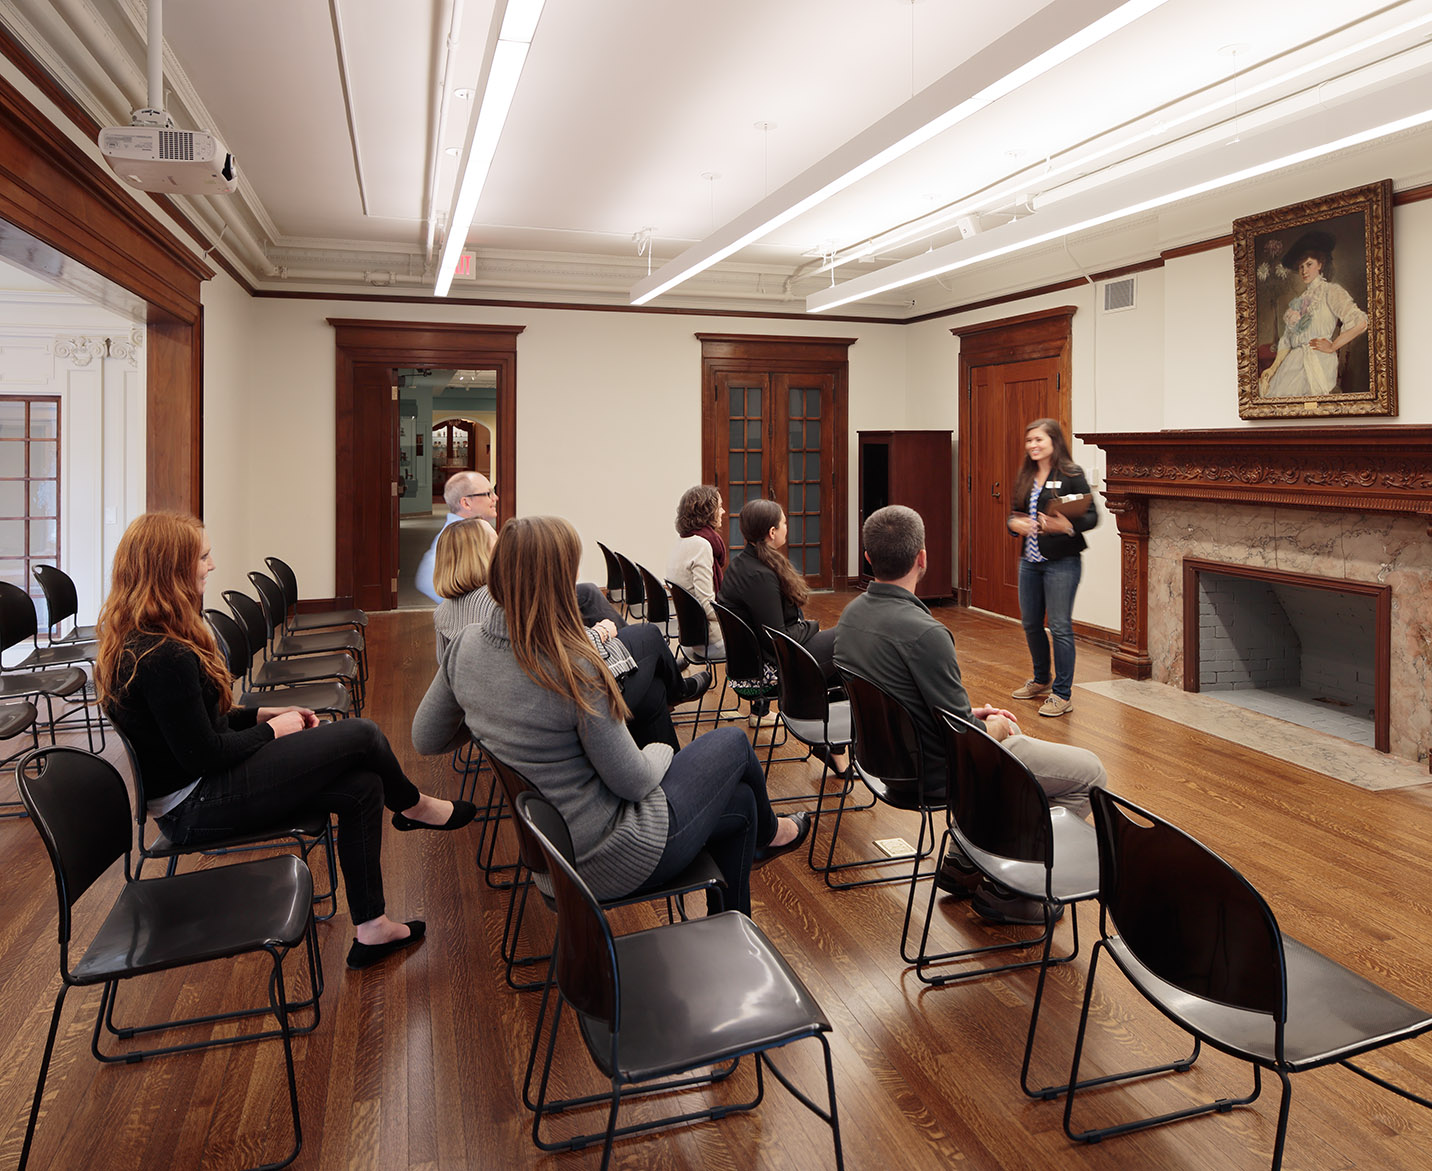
716, 800
1046, 591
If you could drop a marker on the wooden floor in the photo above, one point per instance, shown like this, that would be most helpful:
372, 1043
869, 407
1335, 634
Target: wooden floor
417, 1063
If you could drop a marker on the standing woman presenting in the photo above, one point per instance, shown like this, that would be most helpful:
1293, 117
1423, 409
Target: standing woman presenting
1049, 566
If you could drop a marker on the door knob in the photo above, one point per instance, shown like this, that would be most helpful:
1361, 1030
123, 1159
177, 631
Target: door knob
994, 490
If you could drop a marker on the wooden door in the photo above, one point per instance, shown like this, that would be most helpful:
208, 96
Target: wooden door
773, 439
1003, 399
375, 466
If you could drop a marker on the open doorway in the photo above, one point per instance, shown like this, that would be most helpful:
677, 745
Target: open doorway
447, 422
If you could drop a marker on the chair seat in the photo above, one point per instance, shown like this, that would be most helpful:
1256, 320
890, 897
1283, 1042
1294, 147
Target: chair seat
1334, 1013
78, 634
309, 827
62, 682
904, 795
699, 654
317, 697
15, 718
750, 998
319, 620
320, 642
202, 915
1076, 862
284, 672
837, 731
60, 654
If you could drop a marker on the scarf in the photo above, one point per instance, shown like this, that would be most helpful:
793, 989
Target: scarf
718, 554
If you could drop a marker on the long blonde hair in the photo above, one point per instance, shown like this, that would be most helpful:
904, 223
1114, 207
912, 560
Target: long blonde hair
463, 557
533, 578
154, 591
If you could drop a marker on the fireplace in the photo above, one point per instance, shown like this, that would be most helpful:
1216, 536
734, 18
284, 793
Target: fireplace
1308, 649
1352, 504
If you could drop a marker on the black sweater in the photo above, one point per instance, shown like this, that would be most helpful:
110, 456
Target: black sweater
169, 712
1055, 546
750, 588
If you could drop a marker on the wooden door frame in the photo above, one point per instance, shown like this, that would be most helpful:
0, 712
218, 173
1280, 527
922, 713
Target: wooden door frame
397, 344
1046, 334
748, 353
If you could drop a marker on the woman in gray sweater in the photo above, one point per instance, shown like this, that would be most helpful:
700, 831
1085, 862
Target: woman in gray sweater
530, 687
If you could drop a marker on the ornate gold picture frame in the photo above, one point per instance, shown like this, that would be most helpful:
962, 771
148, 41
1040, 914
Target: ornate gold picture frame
1313, 286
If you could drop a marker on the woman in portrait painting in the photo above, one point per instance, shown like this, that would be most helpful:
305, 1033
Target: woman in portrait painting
1317, 323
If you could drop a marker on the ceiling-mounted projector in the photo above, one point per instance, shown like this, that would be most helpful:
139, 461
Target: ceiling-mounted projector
170, 161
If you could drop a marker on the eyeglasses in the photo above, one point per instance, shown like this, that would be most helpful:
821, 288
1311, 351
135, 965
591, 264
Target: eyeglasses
480, 495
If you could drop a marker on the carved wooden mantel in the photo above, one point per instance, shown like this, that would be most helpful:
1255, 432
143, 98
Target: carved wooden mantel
1350, 469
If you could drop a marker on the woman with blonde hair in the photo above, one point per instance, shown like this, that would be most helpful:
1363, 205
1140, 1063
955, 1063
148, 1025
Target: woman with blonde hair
533, 689
211, 769
464, 552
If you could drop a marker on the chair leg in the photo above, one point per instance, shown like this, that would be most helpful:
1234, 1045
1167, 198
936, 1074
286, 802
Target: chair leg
830, 1116
279, 1005
830, 866
40, 1081
1220, 1105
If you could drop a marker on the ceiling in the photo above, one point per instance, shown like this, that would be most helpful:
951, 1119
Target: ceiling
642, 127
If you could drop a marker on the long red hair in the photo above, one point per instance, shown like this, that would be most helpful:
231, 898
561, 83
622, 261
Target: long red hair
154, 591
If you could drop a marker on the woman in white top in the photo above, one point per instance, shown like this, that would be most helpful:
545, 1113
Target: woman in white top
1316, 325
698, 559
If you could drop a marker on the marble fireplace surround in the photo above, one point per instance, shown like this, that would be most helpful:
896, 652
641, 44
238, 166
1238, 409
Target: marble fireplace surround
1350, 502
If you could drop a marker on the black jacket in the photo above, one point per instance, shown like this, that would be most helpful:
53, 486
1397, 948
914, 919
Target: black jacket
1056, 546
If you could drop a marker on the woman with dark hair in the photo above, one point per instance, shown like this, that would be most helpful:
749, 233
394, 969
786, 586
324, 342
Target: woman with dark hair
1316, 325
763, 587
530, 686
698, 560
1049, 481
211, 769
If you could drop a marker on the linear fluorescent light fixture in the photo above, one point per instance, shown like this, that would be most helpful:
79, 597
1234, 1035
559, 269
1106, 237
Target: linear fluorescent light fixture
1052, 36
516, 22
1252, 156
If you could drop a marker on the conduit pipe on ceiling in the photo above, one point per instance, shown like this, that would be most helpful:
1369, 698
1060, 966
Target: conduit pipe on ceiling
443, 97
117, 70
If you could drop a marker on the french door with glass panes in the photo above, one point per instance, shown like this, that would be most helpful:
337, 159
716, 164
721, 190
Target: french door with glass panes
773, 439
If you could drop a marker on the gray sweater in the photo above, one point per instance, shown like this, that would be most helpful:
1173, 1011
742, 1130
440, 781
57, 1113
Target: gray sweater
607, 789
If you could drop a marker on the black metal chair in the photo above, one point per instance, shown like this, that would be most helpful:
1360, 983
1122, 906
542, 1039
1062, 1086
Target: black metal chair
694, 638
284, 645
633, 589
656, 1004
61, 602
330, 698
616, 583
14, 719
80, 807
1000, 816
52, 672
658, 604
747, 670
294, 621
886, 755
1203, 947
268, 673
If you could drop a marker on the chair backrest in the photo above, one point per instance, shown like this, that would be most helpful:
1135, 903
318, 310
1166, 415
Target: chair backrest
692, 628
250, 616
270, 597
633, 588
1187, 915
800, 679
658, 606
743, 652
514, 784
996, 801
141, 806
61, 599
286, 578
233, 642
79, 803
585, 960
18, 620
615, 582
886, 743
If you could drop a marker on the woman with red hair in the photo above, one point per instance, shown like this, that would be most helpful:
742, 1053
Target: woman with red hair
212, 770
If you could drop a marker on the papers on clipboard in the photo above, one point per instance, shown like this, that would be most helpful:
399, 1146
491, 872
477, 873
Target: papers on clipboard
1070, 506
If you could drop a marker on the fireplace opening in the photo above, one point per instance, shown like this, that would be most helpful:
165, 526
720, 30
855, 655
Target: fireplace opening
1306, 649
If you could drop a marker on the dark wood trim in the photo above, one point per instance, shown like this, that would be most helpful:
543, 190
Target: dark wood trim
392, 344
1209, 245
1047, 333
1038, 291
1412, 195
1099, 636
1382, 637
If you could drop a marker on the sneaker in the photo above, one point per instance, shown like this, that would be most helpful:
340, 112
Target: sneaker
957, 874
768, 720
1054, 706
996, 903
1031, 690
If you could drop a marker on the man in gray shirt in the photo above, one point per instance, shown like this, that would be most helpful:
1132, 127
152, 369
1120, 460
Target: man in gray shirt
890, 637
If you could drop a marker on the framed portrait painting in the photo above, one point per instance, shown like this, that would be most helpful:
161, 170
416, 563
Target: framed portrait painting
1313, 285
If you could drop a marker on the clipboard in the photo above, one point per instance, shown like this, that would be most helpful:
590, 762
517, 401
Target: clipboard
1070, 506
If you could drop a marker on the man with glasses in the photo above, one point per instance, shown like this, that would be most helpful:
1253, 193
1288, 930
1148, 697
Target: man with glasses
468, 495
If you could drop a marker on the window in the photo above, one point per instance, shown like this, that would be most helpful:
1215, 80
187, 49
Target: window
29, 490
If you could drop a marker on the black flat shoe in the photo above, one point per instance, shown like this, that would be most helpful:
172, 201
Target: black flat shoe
462, 813
694, 687
365, 955
766, 854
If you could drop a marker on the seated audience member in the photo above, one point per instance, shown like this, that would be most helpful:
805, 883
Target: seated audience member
637, 655
530, 685
468, 495
890, 637
212, 770
1065, 772
698, 559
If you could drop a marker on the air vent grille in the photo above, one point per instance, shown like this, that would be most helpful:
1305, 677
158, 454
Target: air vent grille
1119, 295
176, 145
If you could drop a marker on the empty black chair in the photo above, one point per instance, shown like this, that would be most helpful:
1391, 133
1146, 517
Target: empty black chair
1203, 947
61, 602
657, 1004
616, 584
294, 621
14, 719
633, 589
283, 645
694, 638
53, 672
886, 755
658, 605
80, 807
277, 673
330, 698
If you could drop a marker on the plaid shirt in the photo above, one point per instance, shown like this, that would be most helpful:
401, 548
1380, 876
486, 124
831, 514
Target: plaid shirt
1031, 542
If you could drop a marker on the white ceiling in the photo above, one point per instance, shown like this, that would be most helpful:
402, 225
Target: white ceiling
645, 114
